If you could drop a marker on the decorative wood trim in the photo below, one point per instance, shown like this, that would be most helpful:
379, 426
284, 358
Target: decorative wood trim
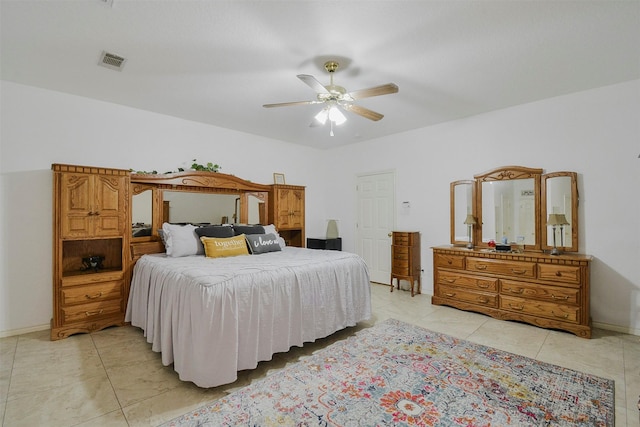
199, 181
57, 167
508, 172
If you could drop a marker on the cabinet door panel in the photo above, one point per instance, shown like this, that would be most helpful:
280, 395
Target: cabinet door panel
109, 215
76, 203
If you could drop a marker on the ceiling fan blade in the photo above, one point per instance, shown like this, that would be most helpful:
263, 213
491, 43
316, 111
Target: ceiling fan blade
313, 83
288, 104
364, 112
374, 91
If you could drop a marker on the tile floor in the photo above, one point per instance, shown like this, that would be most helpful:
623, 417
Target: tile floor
112, 378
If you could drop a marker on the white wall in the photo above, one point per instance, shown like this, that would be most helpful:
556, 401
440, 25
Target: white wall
40, 127
595, 133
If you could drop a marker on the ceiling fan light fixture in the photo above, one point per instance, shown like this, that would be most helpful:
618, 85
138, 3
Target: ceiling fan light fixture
322, 116
336, 116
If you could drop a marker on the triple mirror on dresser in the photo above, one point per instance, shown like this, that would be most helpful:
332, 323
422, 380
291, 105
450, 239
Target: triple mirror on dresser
514, 238
513, 204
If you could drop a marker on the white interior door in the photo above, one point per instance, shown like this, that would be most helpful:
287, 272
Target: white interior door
376, 220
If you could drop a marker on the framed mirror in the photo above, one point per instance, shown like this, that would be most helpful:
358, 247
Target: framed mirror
142, 202
507, 207
559, 211
462, 197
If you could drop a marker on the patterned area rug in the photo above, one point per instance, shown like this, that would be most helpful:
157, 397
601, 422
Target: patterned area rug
399, 374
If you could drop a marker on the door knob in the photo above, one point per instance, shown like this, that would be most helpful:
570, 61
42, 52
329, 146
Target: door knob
390, 234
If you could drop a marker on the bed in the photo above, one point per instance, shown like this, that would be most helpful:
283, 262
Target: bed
213, 317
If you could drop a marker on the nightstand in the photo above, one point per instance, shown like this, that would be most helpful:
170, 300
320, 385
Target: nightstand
329, 244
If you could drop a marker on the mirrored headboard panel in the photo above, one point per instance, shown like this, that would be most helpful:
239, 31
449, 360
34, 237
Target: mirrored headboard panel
519, 206
194, 197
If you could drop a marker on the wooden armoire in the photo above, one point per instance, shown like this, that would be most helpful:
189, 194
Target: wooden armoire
90, 242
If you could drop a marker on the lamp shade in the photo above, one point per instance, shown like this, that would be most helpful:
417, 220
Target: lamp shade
470, 220
557, 219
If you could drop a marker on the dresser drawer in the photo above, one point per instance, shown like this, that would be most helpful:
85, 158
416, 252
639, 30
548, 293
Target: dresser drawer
542, 292
400, 267
505, 268
400, 252
401, 239
466, 281
461, 294
97, 292
448, 261
562, 312
90, 311
559, 273
85, 278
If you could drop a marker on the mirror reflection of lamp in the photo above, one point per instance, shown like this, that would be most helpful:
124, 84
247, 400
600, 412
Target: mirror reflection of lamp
470, 221
554, 221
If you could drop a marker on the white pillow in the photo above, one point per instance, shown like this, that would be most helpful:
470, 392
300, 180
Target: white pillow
271, 229
181, 240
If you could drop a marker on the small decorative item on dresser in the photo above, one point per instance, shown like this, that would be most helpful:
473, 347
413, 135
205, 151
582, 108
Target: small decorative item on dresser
554, 221
470, 221
278, 178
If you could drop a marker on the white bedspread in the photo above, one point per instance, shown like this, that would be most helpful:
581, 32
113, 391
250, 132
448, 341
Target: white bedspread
212, 317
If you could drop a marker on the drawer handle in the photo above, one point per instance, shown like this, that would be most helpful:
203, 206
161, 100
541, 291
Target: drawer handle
450, 295
93, 313
483, 300
450, 280
516, 291
481, 267
518, 271
449, 262
561, 316
559, 274
98, 295
564, 298
517, 307
483, 285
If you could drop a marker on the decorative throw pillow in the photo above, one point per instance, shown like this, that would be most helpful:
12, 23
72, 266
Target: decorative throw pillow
262, 243
217, 247
213, 231
180, 240
248, 229
271, 229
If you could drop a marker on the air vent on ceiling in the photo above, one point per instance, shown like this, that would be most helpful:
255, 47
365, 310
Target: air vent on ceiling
111, 60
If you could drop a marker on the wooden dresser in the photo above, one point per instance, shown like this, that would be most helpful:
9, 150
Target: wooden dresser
545, 290
405, 259
90, 217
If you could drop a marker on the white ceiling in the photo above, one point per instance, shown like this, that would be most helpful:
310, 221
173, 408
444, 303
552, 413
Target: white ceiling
218, 61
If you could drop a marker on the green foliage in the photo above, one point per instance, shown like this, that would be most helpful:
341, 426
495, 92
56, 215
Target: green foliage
209, 167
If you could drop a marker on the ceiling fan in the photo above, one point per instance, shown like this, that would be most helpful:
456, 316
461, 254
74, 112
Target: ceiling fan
335, 97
